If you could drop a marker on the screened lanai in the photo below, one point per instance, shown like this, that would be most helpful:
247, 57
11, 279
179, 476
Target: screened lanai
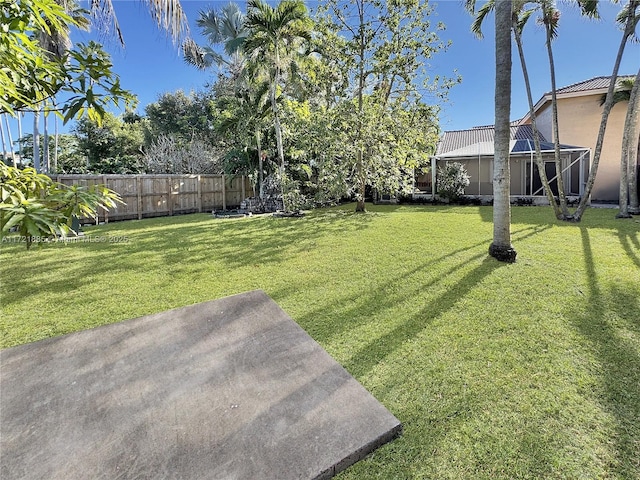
477, 159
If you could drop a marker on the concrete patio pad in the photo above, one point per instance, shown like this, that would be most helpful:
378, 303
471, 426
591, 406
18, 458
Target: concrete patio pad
227, 389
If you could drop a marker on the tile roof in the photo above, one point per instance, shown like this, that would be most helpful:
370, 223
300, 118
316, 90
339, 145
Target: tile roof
461, 139
595, 83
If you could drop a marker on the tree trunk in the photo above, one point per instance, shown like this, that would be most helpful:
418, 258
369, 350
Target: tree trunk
608, 104
46, 163
501, 248
20, 137
628, 146
278, 127
4, 143
13, 153
36, 141
634, 204
633, 111
556, 131
536, 135
55, 144
360, 170
260, 165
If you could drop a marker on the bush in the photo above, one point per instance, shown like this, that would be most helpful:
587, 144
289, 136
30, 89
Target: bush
38, 208
452, 180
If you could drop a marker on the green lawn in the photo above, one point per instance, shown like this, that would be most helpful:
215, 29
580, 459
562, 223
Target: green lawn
529, 370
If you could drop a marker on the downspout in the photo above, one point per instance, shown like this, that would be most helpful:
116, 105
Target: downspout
434, 162
530, 167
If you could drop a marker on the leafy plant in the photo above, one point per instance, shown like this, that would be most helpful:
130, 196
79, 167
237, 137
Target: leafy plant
37, 208
452, 180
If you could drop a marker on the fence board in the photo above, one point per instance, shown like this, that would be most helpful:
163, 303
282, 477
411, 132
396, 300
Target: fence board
162, 195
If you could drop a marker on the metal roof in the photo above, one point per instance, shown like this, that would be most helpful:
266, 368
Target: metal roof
458, 140
522, 146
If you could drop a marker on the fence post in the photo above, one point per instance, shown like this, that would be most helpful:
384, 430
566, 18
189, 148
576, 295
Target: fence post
199, 197
169, 199
224, 193
106, 212
139, 196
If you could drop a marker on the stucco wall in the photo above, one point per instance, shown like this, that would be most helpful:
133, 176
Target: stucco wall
579, 121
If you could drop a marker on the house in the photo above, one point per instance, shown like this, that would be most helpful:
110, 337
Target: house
579, 114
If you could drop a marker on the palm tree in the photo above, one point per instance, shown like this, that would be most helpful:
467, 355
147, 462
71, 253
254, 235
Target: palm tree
168, 15
501, 247
629, 17
275, 35
227, 28
550, 18
633, 148
627, 90
520, 16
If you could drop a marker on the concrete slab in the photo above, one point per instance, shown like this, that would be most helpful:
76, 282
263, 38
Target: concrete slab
227, 389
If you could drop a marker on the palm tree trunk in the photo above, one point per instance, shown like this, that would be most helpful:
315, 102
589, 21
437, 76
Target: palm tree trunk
260, 164
36, 141
536, 135
278, 128
556, 131
631, 144
4, 143
20, 137
501, 247
46, 162
55, 144
608, 105
13, 153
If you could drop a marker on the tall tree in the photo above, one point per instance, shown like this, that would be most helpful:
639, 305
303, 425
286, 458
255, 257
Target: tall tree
628, 90
222, 28
274, 38
501, 247
629, 18
244, 110
382, 56
11, 149
550, 18
168, 15
633, 148
520, 15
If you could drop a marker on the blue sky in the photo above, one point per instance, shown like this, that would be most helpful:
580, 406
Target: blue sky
150, 64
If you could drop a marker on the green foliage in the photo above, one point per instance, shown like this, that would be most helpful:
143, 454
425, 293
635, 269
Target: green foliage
37, 208
70, 158
112, 145
30, 74
452, 179
182, 117
379, 50
26, 72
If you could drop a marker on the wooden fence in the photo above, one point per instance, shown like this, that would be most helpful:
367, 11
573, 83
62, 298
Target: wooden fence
165, 195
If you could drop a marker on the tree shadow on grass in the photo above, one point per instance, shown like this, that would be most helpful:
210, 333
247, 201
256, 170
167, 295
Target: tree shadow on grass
631, 245
357, 309
619, 358
177, 243
362, 361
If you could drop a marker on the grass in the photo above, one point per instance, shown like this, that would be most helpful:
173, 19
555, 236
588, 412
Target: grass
529, 370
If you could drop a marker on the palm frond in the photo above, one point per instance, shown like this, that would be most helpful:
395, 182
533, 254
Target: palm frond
481, 14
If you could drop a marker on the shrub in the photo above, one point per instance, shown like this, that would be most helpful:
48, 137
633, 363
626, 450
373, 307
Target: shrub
38, 208
452, 180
